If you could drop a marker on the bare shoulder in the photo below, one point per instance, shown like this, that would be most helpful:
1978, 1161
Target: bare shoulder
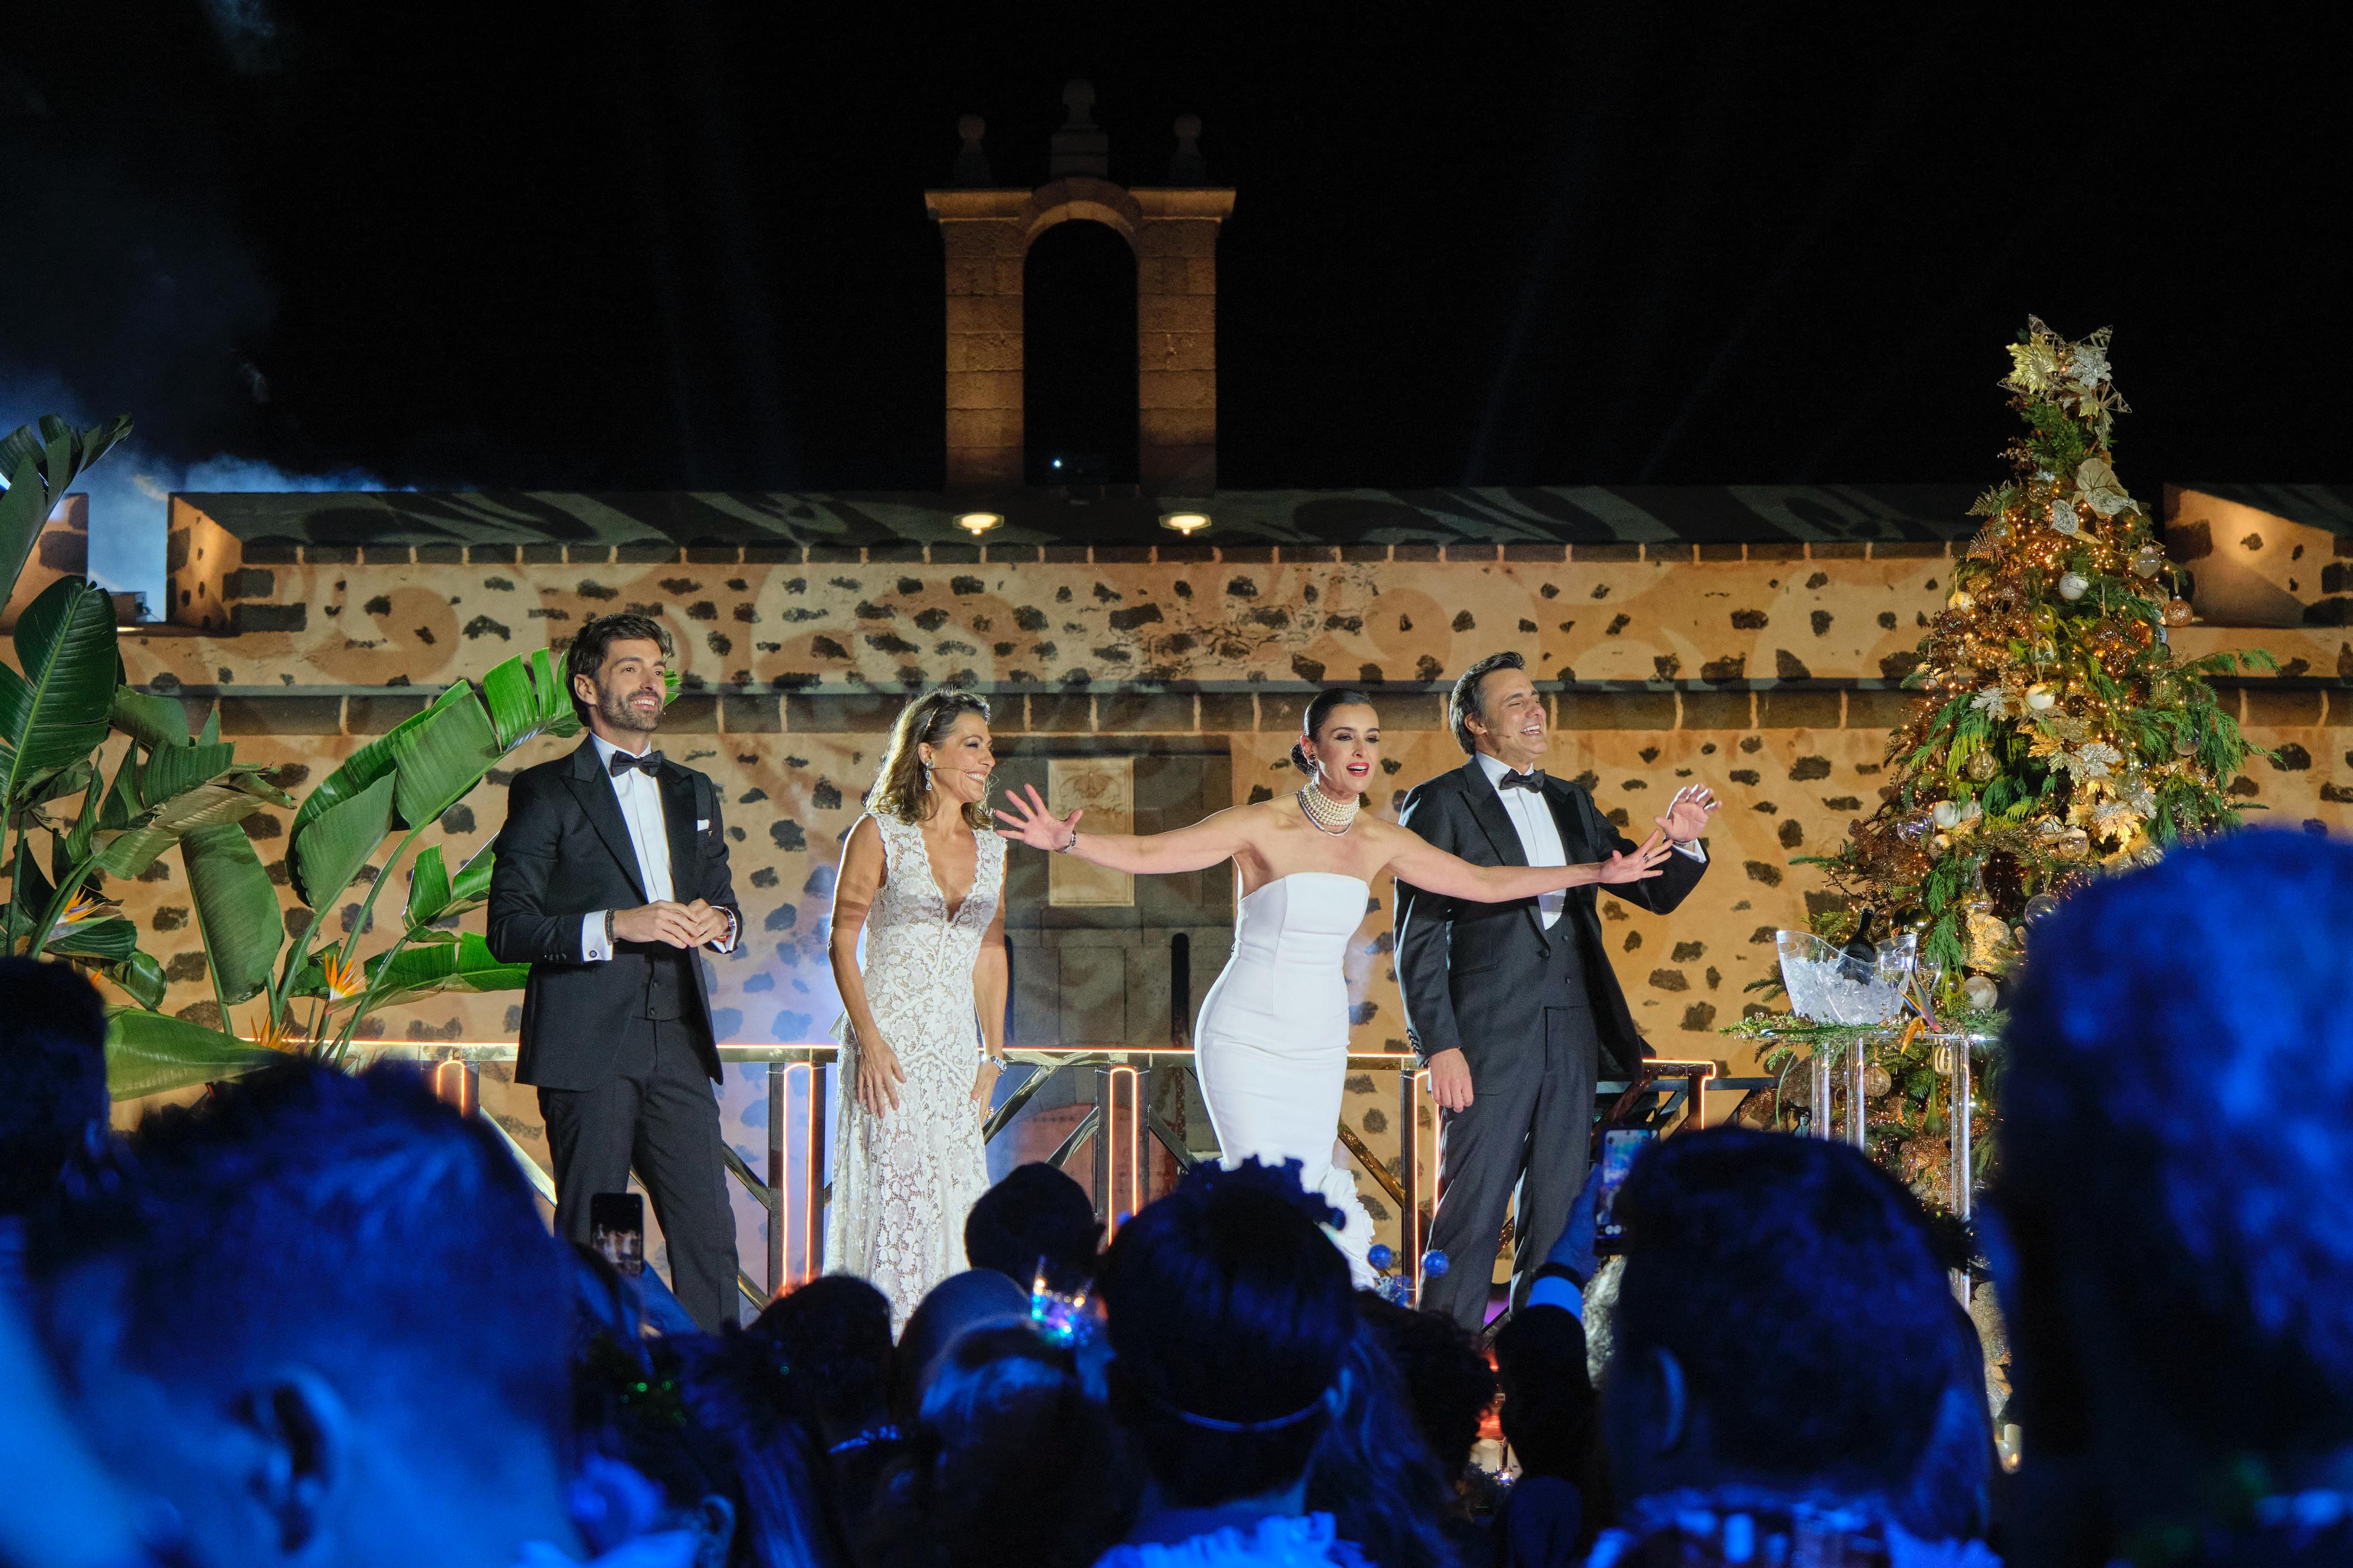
865, 840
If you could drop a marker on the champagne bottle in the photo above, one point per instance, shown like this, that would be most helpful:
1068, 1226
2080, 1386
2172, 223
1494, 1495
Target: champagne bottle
1859, 959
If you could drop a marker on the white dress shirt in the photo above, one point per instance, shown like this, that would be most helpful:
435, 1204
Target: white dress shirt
642, 809
1540, 835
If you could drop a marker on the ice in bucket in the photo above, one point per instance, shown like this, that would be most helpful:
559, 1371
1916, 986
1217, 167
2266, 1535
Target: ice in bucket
1819, 993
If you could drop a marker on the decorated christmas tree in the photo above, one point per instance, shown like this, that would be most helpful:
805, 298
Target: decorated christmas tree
2056, 734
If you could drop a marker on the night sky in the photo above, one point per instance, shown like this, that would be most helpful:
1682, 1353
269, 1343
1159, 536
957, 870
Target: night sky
660, 246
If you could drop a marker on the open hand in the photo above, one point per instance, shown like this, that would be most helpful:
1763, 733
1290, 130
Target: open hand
1686, 817
1030, 822
1643, 863
878, 1076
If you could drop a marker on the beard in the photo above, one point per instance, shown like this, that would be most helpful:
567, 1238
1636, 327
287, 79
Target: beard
613, 706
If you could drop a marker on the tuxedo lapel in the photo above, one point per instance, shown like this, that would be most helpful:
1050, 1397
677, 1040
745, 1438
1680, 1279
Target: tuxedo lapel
594, 790
1569, 821
1487, 808
677, 827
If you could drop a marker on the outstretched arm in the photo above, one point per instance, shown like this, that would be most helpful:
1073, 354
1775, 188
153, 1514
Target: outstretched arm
1196, 849
1434, 870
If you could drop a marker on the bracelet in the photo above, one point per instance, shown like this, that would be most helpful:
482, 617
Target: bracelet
1073, 844
1558, 1271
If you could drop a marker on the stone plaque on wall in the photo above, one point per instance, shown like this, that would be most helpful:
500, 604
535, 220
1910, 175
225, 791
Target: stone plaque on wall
1104, 788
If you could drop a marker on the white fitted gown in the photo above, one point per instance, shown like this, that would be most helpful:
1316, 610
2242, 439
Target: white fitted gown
1271, 1045
905, 1181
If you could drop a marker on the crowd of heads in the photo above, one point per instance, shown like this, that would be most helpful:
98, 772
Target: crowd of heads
317, 1318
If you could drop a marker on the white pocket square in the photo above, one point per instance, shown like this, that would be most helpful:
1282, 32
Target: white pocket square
703, 825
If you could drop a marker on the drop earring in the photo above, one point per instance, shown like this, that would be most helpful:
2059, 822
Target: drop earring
926, 768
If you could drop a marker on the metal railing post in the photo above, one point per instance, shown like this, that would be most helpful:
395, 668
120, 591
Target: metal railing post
777, 1195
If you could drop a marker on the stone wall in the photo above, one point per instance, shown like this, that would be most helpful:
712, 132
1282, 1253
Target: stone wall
1766, 672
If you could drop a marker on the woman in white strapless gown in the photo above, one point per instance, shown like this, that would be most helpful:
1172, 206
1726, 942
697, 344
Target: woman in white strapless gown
1272, 1043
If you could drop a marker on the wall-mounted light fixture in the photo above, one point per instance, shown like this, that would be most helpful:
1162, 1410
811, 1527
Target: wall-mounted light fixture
978, 523
1188, 523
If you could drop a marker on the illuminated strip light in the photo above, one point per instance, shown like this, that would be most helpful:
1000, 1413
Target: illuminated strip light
1123, 1146
797, 1201
1424, 1182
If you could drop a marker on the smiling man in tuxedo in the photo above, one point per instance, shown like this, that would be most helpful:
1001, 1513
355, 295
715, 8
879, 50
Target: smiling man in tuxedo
1514, 1007
611, 875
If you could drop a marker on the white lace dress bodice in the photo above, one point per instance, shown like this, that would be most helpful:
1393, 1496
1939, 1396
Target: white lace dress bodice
903, 1182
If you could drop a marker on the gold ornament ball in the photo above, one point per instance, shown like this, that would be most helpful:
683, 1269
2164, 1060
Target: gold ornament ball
1962, 599
2177, 611
1876, 1081
1942, 842
1981, 767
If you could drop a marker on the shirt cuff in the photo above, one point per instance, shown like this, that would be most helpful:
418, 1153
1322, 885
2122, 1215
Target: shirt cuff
594, 948
734, 929
1695, 849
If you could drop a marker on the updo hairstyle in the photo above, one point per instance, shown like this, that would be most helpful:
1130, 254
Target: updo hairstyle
901, 792
1312, 720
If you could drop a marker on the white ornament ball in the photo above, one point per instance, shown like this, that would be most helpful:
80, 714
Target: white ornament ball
1962, 599
2071, 586
1946, 814
2041, 698
1981, 991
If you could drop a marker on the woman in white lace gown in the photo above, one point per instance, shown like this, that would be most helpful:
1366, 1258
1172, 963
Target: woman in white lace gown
922, 1024
1272, 1043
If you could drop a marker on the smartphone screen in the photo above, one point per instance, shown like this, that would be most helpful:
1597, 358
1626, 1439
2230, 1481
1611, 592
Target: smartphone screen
616, 1230
1619, 1147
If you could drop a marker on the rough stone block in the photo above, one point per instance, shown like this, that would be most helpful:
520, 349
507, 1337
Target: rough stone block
647, 552
1162, 712
244, 619
751, 713
1527, 551
1616, 710
1717, 711
1780, 710
1878, 708
440, 555
1228, 711
694, 714
1060, 713
375, 715
281, 715
1602, 552
2275, 709
1906, 549
1177, 389
863, 713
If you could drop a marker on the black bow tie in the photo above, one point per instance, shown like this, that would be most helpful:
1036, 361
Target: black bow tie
622, 763
1533, 780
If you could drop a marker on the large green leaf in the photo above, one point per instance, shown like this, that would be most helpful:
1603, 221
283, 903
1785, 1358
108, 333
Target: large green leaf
443, 758
339, 842
472, 883
152, 722
152, 1053
237, 906
527, 698
428, 887
41, 463
56, 713
140, 976
113, 939
231, 798
465, 964
363, 767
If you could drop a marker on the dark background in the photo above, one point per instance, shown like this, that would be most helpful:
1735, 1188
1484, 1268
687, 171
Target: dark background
659, 245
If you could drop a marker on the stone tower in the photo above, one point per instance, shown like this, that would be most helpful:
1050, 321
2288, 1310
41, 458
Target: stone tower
986, 230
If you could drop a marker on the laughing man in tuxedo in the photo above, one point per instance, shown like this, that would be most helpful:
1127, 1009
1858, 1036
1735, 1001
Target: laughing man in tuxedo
1514, 1007
611, 875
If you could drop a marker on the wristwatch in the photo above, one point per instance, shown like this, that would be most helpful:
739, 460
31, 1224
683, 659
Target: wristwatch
609, 928
1073, 844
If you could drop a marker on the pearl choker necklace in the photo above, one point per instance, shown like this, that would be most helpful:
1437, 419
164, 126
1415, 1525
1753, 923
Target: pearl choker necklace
1327, 815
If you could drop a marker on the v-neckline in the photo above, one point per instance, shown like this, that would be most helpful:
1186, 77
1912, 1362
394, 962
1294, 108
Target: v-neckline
931, 872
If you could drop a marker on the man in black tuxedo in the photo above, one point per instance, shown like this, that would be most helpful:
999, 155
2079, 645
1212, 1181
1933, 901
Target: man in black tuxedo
1514, 1007
611, 872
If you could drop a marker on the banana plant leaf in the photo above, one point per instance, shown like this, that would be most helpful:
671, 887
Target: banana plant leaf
338, 841
141, 978
527, 698
463, 965
56, 713
219, 803
113, 939
152, 1053
39, 463
29, 893
361, 770
428, 888
152, 722
237, 906
443, 758
471, 885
